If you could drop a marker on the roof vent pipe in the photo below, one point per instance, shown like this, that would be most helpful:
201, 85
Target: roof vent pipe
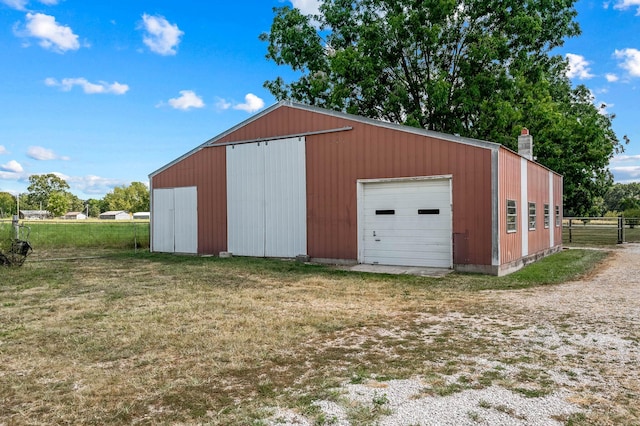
525, 144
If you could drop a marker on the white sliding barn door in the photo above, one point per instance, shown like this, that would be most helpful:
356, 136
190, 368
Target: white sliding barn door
175, 220
266, 198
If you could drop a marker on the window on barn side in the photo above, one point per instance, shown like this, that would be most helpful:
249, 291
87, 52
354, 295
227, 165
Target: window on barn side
512, 216
547, 216
558, 216
532, 216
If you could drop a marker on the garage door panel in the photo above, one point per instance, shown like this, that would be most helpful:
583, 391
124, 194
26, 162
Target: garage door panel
411, 220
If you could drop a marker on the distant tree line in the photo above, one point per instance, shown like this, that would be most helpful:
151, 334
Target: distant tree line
623, 199
51, 193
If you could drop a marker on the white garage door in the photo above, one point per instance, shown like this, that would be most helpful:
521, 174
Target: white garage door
175, 220
406, 222
266, 198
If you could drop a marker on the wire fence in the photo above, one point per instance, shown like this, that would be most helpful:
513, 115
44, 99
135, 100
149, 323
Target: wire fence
64, 238
53, 239
600, 231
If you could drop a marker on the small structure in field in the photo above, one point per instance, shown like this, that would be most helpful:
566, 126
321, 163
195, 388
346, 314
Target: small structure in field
142, 215
115, 215
34, 214
74, 216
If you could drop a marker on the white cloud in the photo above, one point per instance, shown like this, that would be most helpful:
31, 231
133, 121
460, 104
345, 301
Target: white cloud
625, 158
43, 154
187, 100
3, 150
611, 77
22, 4
603, 108
578, 67
161, 36
222, 104
52, 35
16, 4
12, 167
67, 84
307, 7
93, 185
630, 60
626, 4
252, 103
626, 173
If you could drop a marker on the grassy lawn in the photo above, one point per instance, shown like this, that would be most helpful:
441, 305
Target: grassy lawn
53, 234
153, 338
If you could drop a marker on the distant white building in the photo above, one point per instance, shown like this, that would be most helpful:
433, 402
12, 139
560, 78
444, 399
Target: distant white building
34, 214
115, 215
142, 215
75, 216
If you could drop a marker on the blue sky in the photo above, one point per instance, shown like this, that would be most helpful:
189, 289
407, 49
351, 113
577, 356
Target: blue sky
104, 93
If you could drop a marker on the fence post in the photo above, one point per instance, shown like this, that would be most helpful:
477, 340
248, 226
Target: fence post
16, 226
620, 229
570, 230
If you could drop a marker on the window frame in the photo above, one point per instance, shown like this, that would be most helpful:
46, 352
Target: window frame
558, 223
512, 225
547, 216
532, 222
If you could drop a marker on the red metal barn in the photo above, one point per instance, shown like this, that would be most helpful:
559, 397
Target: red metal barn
301, 180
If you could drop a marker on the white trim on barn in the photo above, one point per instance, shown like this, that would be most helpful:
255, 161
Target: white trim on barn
524, 207
551, 211
406, 221
266, 198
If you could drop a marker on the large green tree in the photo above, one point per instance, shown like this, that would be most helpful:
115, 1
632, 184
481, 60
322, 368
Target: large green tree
7, 204
94, 207
58, 203
132, 198
42, 186
481, 69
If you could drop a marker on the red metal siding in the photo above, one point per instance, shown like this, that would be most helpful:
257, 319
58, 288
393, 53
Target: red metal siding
207, 170
336, 160
509, 167
538, 193
284, 121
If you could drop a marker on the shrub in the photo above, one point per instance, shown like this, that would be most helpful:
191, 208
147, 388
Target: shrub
632, 217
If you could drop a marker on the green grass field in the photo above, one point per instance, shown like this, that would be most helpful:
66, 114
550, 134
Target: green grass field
47, 237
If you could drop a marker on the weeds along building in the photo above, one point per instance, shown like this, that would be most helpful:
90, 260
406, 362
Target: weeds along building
300, 180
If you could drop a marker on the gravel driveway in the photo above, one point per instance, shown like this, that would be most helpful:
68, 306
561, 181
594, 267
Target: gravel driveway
566, 354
